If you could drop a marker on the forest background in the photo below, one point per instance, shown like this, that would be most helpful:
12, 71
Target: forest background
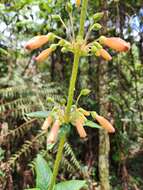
25, 86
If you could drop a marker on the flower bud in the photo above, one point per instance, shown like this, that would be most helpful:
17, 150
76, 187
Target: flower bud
50, 100
69, 7
38, 41
103, 53
63, 101
94, 49
85, 92
64, 43
56, 17
51, 36
103, 122
78, 2
115, 43
96, 27
98, 16
47, 123
53, 133
64, 50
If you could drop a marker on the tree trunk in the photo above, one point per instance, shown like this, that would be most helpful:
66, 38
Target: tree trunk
104, 145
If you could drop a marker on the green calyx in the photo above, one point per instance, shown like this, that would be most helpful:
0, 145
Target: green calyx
93, 114
102, 39
54, 46
64, 43
51, 36
96, 47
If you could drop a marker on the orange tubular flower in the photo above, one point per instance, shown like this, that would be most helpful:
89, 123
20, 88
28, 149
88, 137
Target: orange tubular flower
105, 123
54, 132
103, 53
47, 123
115, 43
80, 129
78, 3
37, 42
43, 55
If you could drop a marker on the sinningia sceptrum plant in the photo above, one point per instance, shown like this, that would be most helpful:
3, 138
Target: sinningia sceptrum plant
70, 114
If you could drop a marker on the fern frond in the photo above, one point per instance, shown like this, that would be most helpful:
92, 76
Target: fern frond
27, 102
15, 103
26, 148
72, 158
21, 130
11, 92
66, 163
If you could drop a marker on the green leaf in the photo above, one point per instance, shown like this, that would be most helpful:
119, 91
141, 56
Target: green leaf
43, 172
91, 124
38, 114
71, 185
2, 174
64, 129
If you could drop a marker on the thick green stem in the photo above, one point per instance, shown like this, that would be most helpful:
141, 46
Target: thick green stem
83, 17
70, 94
72, 83
57, 162
76, 60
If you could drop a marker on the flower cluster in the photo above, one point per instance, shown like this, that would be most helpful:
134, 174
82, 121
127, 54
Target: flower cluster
78, 119
84, 49
114, 43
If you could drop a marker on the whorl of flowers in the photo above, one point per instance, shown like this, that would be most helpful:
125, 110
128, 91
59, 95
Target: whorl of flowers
83, 47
